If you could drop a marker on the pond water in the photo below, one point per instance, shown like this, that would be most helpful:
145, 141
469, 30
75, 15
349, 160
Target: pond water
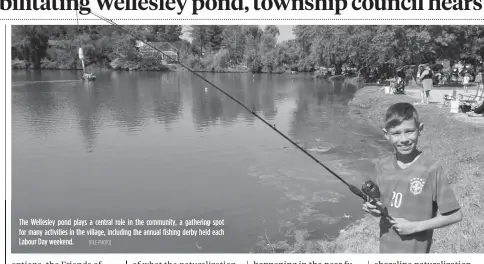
150, 145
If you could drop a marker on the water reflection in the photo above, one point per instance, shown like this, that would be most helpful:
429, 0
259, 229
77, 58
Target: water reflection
129, 100
128, 107
313, 109
209, 105
88, 110
132, 99
39, 109
206, 105
167, 99
230, 83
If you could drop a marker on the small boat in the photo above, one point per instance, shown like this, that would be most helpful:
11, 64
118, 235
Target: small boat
88, 77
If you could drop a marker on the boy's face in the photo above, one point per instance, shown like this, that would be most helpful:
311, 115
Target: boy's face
404, 137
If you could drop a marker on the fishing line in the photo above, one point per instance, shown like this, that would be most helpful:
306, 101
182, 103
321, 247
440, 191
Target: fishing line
352, 188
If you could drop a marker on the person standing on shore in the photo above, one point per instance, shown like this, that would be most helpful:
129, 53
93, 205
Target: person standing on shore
400, 83
465, 81
478, 81
408, 76
426, 82
417, 77
414, 188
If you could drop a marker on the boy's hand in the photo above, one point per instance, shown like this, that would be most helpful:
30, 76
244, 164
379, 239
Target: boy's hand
371, 209
403, 226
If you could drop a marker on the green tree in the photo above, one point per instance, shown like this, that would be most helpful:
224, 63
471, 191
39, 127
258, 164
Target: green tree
214, 37
198, 33
31, 42
234, 41
267, 49
251, 55
169, 33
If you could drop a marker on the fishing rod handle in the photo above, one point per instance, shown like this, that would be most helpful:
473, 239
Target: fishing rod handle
357, 192
383, 210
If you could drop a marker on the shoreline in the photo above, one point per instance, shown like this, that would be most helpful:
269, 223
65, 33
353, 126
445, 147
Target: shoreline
455, 149
169, 69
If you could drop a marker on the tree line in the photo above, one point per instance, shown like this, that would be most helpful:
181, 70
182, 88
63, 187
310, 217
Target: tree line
251, 48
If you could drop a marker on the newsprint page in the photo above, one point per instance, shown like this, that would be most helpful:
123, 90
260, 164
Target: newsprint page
243, 131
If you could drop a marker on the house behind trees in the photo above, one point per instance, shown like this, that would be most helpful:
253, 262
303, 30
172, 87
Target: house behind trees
170, 55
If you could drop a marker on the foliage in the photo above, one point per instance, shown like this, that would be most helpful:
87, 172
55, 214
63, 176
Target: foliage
220, 48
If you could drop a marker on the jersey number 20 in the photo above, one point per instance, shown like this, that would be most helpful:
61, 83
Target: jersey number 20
396, 199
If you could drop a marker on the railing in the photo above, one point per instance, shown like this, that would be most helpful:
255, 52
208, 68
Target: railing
164, 57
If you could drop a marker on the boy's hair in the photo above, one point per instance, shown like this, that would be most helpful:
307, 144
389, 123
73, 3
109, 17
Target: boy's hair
399, 112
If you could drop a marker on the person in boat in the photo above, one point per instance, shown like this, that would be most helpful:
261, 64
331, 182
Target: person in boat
87, 76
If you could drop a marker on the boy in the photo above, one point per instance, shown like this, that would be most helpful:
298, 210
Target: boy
413, 188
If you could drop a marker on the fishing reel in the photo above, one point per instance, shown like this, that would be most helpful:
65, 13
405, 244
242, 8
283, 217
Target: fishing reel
372, 191
373, 196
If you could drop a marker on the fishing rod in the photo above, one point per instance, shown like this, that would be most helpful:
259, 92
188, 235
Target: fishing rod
369, 191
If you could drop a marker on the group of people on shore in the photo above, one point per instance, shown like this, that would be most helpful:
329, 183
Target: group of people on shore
425, 79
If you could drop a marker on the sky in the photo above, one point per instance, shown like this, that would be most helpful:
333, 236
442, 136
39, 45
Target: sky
286, 32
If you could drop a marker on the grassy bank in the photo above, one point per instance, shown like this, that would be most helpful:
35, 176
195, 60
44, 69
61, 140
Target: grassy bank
457, 146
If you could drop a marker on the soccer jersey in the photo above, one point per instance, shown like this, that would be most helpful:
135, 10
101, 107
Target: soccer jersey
415, 193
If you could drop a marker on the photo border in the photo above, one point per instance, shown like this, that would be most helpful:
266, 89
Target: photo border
446, 257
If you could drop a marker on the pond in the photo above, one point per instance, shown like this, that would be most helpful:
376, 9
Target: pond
161, 146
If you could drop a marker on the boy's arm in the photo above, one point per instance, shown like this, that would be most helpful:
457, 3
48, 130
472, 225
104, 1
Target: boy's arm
405, 227
439, 221
444, 196
446, 201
